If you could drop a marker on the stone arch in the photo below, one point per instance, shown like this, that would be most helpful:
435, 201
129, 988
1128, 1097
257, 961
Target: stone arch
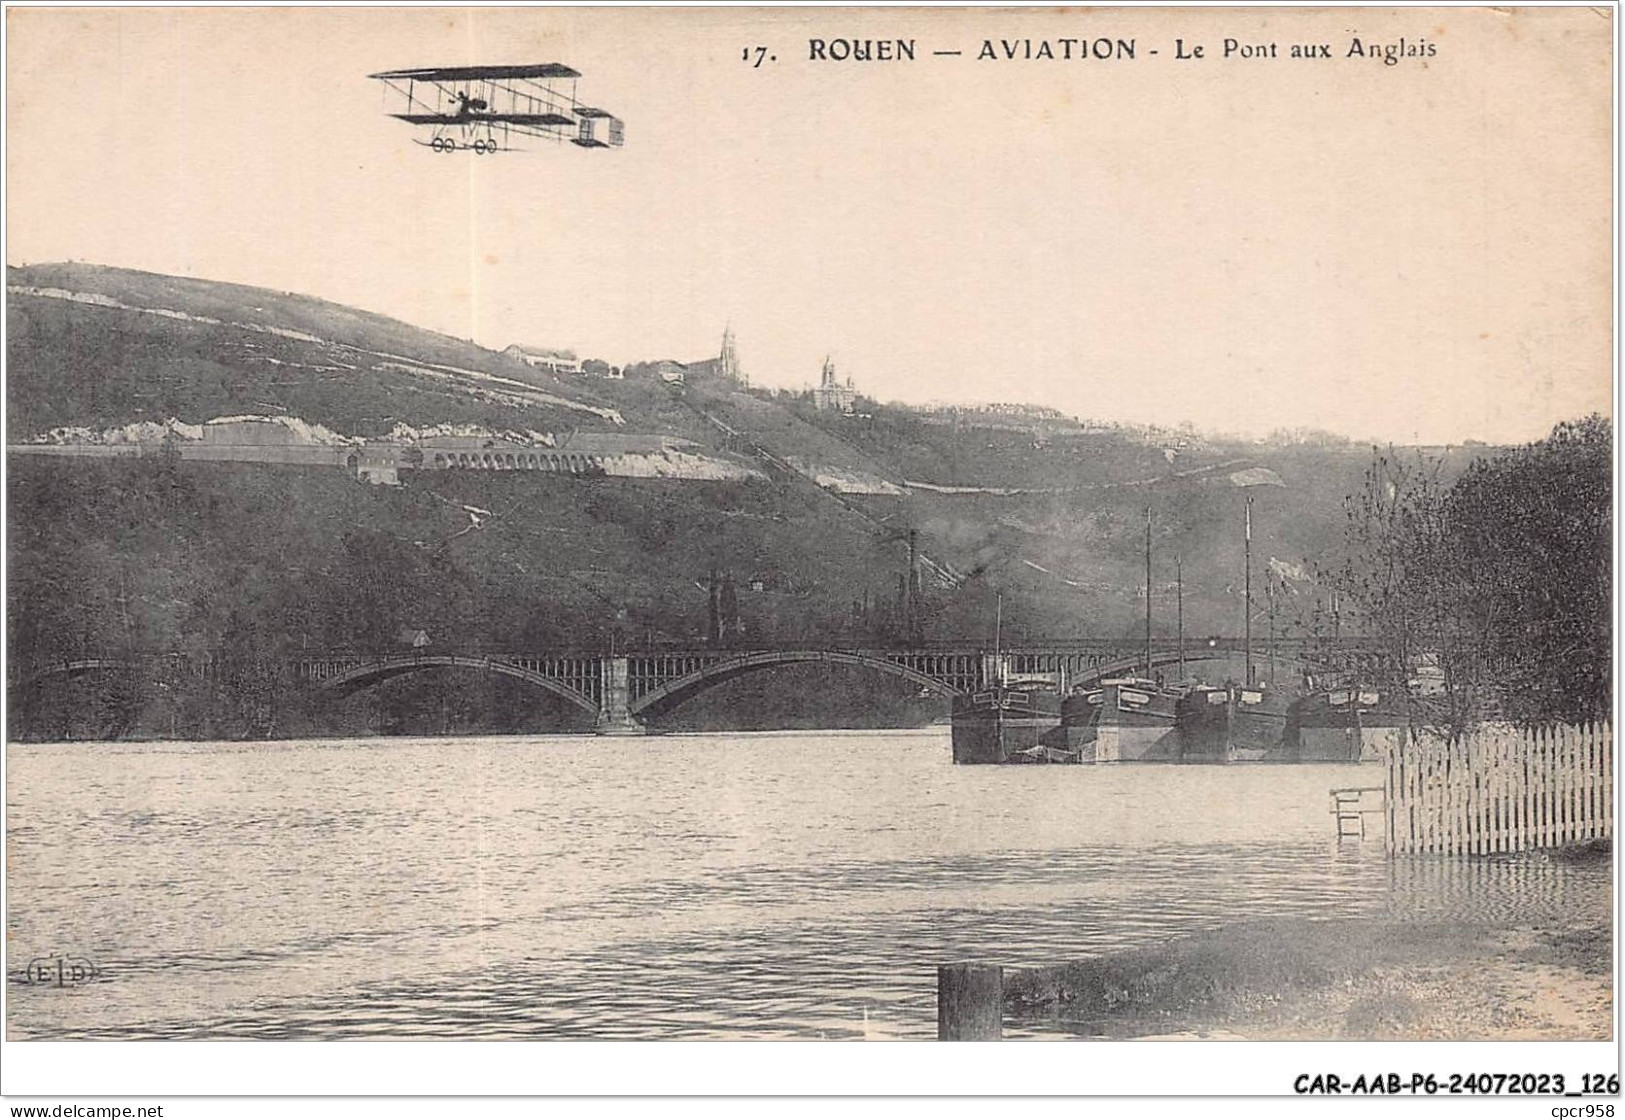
78, 667
674, 693
369, 673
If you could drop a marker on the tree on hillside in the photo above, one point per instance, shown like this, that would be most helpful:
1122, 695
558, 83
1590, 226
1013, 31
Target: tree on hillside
376, 577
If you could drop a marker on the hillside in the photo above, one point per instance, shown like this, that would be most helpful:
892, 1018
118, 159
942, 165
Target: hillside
153, 553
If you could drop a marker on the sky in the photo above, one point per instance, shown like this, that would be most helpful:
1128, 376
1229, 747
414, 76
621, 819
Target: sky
1416, 253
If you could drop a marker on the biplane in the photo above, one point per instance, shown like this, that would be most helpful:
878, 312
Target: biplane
481, 109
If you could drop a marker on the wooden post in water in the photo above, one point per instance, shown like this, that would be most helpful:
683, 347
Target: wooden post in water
970, 1002
1179, 584
1247, 623
1148, 673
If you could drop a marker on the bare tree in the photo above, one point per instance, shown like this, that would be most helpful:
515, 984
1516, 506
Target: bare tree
1490, 596
1397, 590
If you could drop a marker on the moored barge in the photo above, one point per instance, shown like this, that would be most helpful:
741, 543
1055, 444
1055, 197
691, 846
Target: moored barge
1235, 723
1344, 725
1005, 723
1128, 719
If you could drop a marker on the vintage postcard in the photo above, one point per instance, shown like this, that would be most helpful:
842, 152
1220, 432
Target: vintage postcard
811, 525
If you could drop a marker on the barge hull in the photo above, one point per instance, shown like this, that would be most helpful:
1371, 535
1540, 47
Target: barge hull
993, 739
1120, 722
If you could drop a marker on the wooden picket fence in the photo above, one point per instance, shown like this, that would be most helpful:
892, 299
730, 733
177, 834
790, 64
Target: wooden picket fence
1501, 789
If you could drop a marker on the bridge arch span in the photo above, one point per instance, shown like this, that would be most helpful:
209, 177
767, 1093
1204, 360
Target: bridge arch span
78, 667
1133, 666
366, 674
663, 699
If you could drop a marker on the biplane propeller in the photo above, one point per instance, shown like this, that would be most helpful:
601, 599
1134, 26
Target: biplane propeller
481, 109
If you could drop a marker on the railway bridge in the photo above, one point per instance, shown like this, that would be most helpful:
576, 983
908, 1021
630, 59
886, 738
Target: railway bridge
621, 690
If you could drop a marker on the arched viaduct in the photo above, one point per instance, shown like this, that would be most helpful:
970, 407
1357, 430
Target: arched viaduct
620, 691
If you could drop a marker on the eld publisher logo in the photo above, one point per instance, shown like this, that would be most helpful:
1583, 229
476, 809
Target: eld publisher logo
61, 972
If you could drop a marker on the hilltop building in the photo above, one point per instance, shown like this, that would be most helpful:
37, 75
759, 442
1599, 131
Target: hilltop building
725, 364
553, 361
831, 394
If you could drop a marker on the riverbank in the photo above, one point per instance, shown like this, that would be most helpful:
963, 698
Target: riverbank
1360, 978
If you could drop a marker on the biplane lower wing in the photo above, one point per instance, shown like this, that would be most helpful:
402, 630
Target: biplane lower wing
532, 120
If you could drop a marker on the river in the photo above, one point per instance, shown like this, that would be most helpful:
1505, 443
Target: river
798, 884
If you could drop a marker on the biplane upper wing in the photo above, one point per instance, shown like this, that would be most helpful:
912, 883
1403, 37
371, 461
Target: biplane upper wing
479, 73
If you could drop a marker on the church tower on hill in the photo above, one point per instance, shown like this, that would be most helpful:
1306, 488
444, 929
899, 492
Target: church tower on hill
831, 394
728, 360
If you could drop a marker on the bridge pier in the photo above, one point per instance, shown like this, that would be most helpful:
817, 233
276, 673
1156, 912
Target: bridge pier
995, 668
1005, 667
614, 708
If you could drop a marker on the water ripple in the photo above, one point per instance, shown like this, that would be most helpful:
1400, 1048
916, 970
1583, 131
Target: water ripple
786, 886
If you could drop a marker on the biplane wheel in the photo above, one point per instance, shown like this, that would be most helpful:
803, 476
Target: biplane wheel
437, 144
